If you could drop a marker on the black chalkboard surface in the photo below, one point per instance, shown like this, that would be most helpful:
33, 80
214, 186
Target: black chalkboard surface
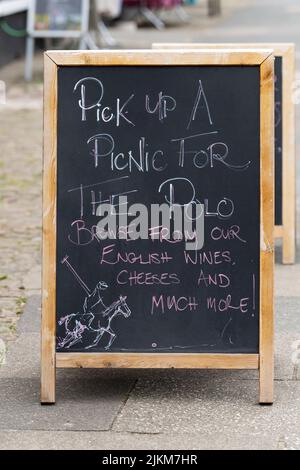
284, 142
168, 299
278, 140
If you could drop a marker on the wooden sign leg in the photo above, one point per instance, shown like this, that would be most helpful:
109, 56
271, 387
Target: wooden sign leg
289, 208
266, 381
289, 160
48, 372
49, 234
289, 214
289, 246
266, 348
266, 321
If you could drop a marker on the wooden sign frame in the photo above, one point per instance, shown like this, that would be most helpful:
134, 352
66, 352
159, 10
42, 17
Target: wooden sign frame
50, 359
286, 231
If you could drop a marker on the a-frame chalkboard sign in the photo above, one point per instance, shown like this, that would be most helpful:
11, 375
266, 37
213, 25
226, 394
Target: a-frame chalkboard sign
180, 128
285, 151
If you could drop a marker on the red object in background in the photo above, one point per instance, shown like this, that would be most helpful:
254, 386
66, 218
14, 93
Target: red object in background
152, 3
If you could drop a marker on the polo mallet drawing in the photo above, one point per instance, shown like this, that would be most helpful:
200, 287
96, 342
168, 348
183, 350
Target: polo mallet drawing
77, 277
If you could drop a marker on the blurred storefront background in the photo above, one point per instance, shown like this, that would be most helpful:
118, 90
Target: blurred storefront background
113, 17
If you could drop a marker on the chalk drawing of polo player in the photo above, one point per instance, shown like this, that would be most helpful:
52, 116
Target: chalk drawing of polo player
95, 319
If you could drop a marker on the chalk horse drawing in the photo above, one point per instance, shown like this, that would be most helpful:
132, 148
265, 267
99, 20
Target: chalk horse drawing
96, 318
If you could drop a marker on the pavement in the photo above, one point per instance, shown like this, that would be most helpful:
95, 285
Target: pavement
132, 409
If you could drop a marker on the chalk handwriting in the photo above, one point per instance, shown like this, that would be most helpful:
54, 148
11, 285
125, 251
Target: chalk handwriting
103, 113
164, 303
131, 149
200, 96
162, 107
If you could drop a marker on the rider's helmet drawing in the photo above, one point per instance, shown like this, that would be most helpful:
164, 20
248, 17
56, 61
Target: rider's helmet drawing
93, 303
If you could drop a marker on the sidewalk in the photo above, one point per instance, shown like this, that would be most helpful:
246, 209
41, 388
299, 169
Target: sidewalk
130, 409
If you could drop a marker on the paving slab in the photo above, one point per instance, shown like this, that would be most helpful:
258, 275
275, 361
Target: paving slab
45, 440
206, 406
30, 320
23, 357
287, 338
83, 403
267, 21
287, 280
